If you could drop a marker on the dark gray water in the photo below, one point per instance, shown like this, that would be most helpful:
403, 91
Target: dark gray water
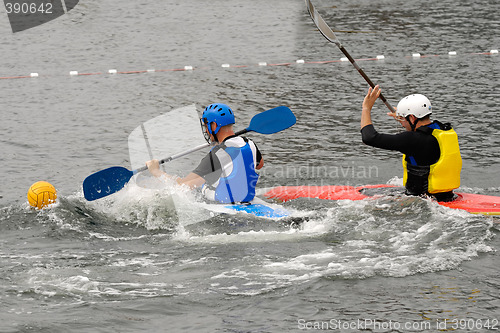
122, 265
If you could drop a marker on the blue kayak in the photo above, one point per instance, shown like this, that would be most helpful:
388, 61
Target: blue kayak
259, 210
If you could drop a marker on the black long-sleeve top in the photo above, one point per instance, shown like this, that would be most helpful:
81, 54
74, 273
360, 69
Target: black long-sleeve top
423, 147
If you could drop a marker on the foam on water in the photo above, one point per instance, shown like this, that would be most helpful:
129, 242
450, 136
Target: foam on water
401, 223
79, 287
393, 244
149, 208
169, 207
392, 237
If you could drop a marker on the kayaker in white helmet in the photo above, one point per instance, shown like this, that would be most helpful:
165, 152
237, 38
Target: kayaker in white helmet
431, 154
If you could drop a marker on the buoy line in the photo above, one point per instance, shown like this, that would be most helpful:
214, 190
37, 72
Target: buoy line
226, 65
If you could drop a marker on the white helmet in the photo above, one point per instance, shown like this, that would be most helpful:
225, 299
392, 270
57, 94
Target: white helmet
416, 104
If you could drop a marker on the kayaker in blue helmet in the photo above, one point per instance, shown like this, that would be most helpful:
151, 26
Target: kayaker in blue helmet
227, 174
431, 159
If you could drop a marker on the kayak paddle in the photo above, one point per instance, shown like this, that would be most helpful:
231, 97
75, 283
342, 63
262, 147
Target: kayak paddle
108, 181
327, 32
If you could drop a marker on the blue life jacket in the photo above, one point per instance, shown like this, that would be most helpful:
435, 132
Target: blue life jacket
238, 180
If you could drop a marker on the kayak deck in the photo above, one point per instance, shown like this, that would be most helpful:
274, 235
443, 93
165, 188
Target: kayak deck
259, 210
473, 203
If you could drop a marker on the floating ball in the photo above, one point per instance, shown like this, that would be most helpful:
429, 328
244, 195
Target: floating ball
41, 194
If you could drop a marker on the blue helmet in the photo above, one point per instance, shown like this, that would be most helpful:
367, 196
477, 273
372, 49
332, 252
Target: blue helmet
219, 113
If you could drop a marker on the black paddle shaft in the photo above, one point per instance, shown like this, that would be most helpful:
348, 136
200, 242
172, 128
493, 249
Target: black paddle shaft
173, 157
328, 33
363, 74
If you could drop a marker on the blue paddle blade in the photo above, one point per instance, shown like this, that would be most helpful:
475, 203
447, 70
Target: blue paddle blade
105, 182
272, 121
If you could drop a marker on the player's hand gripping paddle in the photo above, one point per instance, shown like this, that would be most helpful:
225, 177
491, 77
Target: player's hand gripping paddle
111, 180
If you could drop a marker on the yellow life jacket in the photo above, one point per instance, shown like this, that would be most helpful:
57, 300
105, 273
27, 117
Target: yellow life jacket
444, 175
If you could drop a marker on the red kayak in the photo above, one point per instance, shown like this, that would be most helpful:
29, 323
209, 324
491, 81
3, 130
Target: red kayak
473, 203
